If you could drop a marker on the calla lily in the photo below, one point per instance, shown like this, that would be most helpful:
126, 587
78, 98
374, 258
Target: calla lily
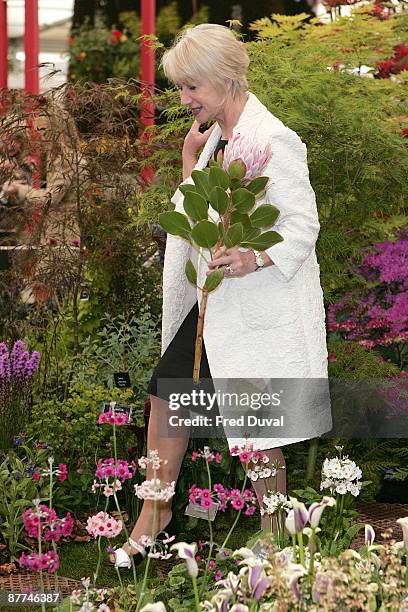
316, 509
258, 581
293, 581
369, 535
297, 517
187, 552
403, 522
154, 607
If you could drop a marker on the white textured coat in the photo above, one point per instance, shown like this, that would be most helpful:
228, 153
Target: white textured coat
268, 324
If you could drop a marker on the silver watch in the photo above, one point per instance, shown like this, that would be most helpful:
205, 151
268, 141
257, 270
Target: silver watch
258, 260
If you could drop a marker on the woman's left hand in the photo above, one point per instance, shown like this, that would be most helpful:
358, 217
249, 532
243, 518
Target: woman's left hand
233, 262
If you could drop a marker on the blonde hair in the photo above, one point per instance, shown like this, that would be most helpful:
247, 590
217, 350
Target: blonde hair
207, 52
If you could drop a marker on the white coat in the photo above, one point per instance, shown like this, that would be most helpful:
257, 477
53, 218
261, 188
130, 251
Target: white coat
269, 324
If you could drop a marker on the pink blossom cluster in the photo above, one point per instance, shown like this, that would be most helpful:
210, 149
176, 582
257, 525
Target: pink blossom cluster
46, 522
102, 524
107, 489
207, 455
378, 314
247, 454
36, 562
61, 472
244, 500
121, 470
113, 418
254, 158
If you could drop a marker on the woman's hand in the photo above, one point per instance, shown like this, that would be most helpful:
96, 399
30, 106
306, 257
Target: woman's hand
233, 262
195, 140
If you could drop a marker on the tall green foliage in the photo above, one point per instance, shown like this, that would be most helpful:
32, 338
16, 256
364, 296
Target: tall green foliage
351, 125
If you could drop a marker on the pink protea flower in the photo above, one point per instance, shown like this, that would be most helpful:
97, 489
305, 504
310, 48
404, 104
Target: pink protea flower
249, 153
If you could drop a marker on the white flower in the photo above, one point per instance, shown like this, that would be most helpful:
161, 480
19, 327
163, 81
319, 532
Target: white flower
341, 488
87, 607
369, 535
187, 552
104, 608
155, 490
276, 501
316, 509
154, 607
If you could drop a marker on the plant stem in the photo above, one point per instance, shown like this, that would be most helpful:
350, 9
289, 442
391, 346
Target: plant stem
301, 549
154, 521
115, 453
199, 337
196, 596
312, 458
239, 512
311, 551
205, 577
294, 548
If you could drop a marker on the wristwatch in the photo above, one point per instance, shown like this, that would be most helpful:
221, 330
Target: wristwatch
258, 260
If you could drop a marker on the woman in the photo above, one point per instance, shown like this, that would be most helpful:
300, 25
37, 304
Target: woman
269, 309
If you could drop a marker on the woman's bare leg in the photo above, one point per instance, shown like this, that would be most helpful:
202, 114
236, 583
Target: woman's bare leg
170, 449
274, 483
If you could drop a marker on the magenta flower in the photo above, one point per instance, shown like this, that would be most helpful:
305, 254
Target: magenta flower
36, 562
245, 456
249, 153
112, 418
62, 472
237, 503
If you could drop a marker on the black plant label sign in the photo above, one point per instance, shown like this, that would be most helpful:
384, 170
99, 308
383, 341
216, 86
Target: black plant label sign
122, 380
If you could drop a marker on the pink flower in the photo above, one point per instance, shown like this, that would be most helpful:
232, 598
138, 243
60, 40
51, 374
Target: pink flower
102, 524
211, 565
62, 468
206, 503
36, 562
237, 503
194, 456
218, 575
254, 159
205, 493
250, 511
245, 456
36, 476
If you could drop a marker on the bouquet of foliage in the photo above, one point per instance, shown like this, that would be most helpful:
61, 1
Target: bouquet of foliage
221, 210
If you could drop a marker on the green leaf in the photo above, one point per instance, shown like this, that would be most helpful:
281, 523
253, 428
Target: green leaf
243, 199
205, 234
234, 235
264, 241
264, 216
219, 200
191, 272
237, 169
251, 233
213, 280
237, 217
201, 181
186, 188
257, 185
175, 223
219, 178
195, 206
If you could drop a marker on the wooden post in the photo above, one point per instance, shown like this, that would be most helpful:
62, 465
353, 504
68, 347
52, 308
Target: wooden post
31, 47
3, 45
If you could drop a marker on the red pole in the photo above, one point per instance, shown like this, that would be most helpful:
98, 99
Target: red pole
147, 73
3, 45
31, 47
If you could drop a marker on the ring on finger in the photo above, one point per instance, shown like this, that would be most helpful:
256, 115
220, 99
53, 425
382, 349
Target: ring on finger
228, 269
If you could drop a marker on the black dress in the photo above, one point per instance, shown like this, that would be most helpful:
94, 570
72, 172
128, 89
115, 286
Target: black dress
178, 359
